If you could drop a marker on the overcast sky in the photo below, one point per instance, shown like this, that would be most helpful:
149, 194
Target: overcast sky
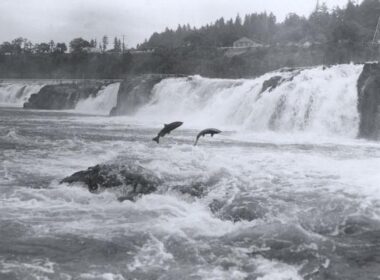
63, 20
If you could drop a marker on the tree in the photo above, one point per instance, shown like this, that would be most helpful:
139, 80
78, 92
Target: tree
294, 29
78, 44
123, 46
93, 43
369, 12
117, 45
238, 20
51, 45
17, 45
28, 46
60, 48
6, 48
105, 43
42, 48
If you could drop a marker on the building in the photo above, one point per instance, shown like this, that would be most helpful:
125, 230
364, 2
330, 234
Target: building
92, 50
246, 43
133, 51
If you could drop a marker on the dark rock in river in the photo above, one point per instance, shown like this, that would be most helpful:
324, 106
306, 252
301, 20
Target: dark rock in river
195, 189
271, 84
276, 81
369, 101
136, 91
131, 180
63, 96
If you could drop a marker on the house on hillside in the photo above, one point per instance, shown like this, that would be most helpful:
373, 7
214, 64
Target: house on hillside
92, 50
242, 46
134, 51
246, 43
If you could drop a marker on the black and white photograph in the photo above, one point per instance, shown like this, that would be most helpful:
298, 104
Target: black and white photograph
189, 140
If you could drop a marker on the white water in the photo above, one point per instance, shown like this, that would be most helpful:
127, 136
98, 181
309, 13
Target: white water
317, 100
15, 94
102, 103
303, 199
306, 210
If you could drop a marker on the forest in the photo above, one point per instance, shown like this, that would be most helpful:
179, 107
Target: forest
338, 35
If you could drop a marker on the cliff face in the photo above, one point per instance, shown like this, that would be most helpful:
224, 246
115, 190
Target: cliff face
63, 96
369, 101
136, 91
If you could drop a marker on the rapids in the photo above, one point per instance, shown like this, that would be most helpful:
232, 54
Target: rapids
285, 192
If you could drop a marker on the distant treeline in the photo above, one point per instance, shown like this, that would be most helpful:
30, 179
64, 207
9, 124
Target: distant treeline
333, 36
354, 24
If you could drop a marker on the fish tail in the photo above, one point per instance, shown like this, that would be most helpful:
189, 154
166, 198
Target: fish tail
157, 139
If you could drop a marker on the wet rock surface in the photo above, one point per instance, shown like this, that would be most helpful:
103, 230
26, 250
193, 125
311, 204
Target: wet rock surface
63, 96
131, 180
369, 101
271, 84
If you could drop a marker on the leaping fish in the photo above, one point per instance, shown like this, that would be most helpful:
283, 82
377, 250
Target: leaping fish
166, 130
206, 131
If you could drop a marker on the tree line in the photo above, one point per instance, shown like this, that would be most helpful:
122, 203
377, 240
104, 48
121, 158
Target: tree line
353, 24
339, 35
21, 45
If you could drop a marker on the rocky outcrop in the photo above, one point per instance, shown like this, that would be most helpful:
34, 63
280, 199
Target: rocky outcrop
276, 81
63, 96
369, 101
136, 91
129, 181
271, 84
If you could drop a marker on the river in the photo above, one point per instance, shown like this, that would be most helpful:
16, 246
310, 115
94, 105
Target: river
296, 201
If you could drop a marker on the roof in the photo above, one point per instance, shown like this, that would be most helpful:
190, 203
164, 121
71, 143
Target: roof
92, 49
244, 39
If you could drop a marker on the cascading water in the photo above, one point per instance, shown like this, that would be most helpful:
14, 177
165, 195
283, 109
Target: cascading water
16, 94
318, 100
102, 103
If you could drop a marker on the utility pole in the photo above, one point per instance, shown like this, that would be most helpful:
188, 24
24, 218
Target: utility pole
375, 40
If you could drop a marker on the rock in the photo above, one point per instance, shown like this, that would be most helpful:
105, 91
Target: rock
63, 96
195, 189
368, 87
136, 91
130, 181
271, 84
276, 81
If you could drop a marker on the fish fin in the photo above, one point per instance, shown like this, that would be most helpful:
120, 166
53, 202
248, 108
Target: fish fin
212, 134
196, 140
157, 139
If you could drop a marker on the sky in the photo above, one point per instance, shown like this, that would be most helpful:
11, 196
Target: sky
63, 20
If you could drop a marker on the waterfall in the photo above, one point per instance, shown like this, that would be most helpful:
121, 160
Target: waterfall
319, 100
15, 94
102, 103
